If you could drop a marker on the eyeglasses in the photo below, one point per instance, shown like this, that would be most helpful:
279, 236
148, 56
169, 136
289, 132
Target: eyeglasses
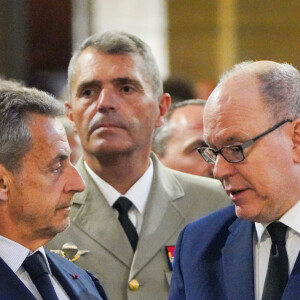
234, 153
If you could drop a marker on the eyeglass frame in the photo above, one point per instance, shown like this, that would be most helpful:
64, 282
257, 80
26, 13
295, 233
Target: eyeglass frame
241, 147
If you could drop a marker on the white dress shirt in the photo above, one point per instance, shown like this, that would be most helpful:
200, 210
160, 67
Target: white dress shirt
14, 255
137, 194
262, 246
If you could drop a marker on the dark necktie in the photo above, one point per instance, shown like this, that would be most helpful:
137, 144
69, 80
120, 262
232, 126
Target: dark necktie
122, 205
277, 273
37, 269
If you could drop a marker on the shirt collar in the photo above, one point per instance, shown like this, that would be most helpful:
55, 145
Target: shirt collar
14, 254
137, 194
290, 218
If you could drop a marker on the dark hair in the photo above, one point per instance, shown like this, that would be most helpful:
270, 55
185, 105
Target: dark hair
118, 42
16, 105
180, 88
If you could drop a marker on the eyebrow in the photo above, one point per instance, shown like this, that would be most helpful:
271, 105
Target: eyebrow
115, 81
196, 144
127, 80
58, 158
86, 84
231, 140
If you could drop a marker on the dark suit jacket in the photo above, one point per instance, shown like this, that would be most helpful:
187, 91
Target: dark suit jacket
83, 286
214, 261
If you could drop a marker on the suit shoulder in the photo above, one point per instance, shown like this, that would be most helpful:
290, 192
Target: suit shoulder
60, 261
68, 266
202, 186
88, 280
209, 232
215, 221
57, 259
184, 179
194, 180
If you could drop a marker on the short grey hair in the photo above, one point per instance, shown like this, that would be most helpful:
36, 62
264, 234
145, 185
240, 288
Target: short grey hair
121, 43
16, 106
279, 85
163, 133
10, 83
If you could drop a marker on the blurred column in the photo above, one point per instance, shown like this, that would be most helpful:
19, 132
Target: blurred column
144, 18
13, 39
227, 47
81, 24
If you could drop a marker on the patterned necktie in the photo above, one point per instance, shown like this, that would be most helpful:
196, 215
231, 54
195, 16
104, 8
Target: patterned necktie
277, 273
122, 205
36, 267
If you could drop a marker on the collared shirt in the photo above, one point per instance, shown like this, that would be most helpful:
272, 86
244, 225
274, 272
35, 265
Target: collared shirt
137, 194
14, 255
262, 246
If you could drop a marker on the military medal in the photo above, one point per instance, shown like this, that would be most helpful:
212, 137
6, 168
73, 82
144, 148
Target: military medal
170, 250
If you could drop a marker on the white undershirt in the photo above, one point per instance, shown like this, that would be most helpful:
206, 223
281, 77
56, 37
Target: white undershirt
262, 246
137, 194
14, 255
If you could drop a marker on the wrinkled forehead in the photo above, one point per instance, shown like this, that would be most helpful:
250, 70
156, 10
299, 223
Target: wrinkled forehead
189, 115
47, 132
94, 65
232, 109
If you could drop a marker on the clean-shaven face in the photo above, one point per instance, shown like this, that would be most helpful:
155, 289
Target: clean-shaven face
261, 187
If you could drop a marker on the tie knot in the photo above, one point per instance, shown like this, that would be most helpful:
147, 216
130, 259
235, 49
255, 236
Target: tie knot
277, 232
35, 265
122, 205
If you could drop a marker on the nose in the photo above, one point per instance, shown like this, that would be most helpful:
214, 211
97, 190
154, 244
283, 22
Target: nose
106, 100
75, 183
209, 170
223, 169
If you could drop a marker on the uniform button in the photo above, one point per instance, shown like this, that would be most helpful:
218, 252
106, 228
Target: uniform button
133, 285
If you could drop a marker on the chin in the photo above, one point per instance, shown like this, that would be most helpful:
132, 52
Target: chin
64, 225
244, 213
61, 226
49, 231
249, 215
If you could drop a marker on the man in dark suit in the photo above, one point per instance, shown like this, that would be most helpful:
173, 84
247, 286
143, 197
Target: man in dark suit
37, 184
116, 103
248, 250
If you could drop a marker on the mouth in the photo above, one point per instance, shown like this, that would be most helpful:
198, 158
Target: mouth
235, 194
66, 206
106, 121
104, 126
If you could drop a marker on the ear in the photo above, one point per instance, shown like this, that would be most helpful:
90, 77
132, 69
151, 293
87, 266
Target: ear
296, 140
164, 105
3, 184
68, 106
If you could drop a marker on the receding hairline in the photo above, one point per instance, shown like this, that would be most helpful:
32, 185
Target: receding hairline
249, 68
277, 83
120, 43
97, 51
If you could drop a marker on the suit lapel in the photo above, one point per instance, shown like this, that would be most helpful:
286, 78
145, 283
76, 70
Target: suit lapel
162, 219
100, 228
292, 290
238, 261
76, 282
64, 278
11, 287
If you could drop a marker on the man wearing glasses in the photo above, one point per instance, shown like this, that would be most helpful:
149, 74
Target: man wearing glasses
248, 250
